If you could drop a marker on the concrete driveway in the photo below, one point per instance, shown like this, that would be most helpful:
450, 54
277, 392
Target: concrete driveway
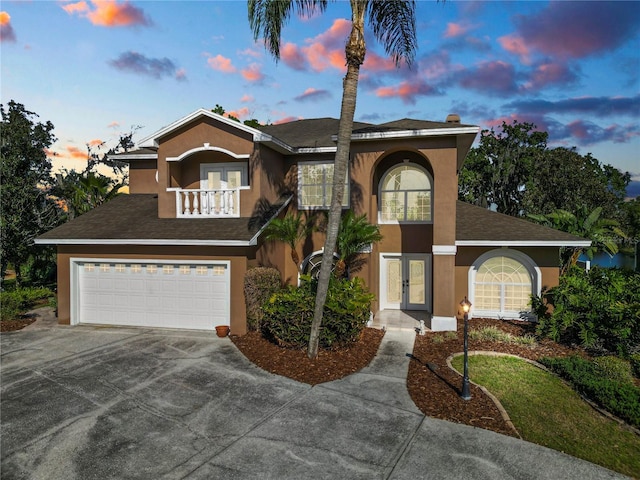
116, 403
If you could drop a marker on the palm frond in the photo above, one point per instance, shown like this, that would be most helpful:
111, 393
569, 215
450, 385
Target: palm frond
394, 25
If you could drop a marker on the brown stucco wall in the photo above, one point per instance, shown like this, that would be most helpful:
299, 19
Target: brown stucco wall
142, 176
238, 258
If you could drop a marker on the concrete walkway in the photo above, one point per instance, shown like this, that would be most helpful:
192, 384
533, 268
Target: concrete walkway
114, 403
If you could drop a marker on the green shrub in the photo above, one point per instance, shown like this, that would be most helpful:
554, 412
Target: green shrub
621, 399
259, 284
288, 314
614, 368
17, 301
635, 364
598, 309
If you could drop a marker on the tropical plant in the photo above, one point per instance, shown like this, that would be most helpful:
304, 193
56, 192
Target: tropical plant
599, 309
604, 233
355, 235
393, 25
290, 229
80, 192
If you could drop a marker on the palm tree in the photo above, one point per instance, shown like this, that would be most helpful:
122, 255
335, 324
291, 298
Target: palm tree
355, 235
81, 192
290, 229
602, 232
393, 24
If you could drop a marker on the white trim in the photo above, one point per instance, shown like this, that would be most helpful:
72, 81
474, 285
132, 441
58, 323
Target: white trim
143, 241
208, 148
74, 268
133, 156
152, 140
443, 324
222, 167
444, 249
534, 273
428, 132
523, 243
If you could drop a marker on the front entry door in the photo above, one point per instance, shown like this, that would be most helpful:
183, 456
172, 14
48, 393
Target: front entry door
405, 282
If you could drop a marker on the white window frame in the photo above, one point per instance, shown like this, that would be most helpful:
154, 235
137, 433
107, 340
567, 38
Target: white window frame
223, 168
535, 275
382, 181
326, 200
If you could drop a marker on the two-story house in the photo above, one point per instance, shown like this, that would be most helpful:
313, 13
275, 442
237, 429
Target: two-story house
174, 252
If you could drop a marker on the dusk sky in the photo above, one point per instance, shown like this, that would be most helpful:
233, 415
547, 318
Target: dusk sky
97, 68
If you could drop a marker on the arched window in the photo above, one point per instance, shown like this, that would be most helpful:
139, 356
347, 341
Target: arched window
311, 265
405, 195
501, 283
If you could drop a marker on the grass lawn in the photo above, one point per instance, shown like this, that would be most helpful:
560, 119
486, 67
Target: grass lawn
547, 412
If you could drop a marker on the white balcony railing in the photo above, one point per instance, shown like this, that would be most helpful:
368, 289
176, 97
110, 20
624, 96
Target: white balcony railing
208, 203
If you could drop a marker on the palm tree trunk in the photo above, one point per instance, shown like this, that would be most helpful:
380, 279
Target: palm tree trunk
355, 51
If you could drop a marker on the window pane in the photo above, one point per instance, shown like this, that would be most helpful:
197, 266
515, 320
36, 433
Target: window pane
315, 185
419, 206
503, 284
234, 178
213, 179
406, 177
394, 281
392, 206
487, 297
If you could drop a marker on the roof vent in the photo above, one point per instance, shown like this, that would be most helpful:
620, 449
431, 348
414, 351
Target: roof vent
453, 118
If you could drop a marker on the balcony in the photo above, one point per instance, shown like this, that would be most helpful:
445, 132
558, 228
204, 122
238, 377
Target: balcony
199, 203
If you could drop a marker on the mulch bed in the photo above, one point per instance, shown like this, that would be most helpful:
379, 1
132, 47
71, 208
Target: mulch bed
18, 324
433, 386
294, 363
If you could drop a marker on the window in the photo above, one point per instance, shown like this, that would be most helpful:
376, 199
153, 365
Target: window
315, 185
502, 283
223, 176
405, 195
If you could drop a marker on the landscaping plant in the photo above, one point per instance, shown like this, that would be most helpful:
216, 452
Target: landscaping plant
598, 309
259, 284
288, 314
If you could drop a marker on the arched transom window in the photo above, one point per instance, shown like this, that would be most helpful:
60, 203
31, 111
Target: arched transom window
405, 195
503, 284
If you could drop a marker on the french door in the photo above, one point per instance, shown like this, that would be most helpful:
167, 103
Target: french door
405, 281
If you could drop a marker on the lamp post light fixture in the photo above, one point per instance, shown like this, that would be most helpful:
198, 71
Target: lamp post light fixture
466, 306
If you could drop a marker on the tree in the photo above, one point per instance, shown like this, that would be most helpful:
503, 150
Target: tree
604, 233
393, 25
565, 180
355, 235
81, 192
25, 170
291, 229
497, 171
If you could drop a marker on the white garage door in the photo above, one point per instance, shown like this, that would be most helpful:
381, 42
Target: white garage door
165, 294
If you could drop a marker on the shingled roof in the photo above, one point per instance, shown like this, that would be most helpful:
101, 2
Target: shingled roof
311, 133
133, 219
477, 226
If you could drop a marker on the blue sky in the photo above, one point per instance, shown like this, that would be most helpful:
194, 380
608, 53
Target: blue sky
97, 68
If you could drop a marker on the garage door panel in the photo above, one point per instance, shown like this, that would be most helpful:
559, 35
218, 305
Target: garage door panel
162, 294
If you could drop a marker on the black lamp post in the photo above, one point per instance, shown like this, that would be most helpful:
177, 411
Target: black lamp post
466, 306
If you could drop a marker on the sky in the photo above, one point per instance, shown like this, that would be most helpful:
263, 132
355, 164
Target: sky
100, 68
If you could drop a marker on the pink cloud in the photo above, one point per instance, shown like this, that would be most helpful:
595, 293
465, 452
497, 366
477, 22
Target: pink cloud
516, 45
250, 52
181, 74
455, 30
292, 56
579, 29
375, 63
75, 153
406, 91
109, 13
96, 142
240, 113
494, 78
252, 73
313, 94
286, 120
247, 98
550, 74
114, 124
7, 33
221, 64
